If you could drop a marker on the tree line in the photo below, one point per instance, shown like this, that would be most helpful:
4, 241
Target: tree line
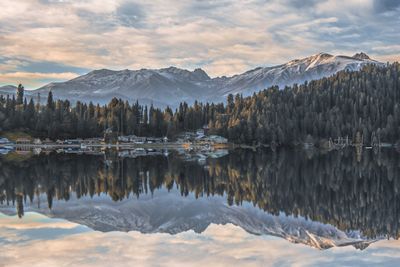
60, 119
361, 105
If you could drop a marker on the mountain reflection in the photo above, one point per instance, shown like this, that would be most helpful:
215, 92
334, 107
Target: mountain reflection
337, 187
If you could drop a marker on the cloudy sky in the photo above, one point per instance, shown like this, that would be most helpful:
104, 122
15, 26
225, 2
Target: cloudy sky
53, 40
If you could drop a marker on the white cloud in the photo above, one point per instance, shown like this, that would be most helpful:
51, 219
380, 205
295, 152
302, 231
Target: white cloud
37, 75
34, 79
223, 37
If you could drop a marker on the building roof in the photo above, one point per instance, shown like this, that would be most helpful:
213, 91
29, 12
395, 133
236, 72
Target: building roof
23, 140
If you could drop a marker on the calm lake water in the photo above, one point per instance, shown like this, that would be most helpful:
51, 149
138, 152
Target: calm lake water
257, 208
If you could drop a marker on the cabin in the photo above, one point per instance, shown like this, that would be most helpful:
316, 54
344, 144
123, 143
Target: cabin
137, 139
186, 136
23, 141
124, 139
72, 141
47, 141
37, 151
217, 139
140, 140
132, 139
92, 140
154, 140
37, 141
212, 139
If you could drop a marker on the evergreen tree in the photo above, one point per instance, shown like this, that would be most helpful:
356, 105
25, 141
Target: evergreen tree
50, 101
20, 94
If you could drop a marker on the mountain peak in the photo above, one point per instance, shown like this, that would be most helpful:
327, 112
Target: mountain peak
100, 72
361, 56
201, 74
196, 75
323, 54
313, 58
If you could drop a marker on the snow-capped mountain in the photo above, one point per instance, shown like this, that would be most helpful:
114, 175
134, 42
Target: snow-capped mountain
11, 90
160, 87
168, 212
295, 71
170, 86
8, 90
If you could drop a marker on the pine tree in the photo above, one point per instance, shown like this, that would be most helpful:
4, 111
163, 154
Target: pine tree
50, 101
20, 94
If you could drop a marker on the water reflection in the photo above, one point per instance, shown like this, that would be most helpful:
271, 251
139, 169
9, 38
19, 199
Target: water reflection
338, 187
48, 242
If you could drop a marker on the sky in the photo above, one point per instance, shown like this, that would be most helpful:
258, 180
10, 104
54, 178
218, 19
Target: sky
55, 40
37, 240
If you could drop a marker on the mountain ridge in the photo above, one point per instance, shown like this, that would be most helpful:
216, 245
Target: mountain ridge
171, 86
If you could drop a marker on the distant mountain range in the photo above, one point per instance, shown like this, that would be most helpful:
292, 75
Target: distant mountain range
170, 86
169, 212
8, 89
11, 90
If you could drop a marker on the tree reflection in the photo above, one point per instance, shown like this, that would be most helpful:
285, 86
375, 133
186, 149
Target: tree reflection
336, 187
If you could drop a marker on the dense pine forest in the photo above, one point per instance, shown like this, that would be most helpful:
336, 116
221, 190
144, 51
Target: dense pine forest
362, 105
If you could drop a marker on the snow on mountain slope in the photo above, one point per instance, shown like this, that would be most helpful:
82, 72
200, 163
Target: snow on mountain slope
170, 86
295, 71
8, 90
11, 90
165, 86
169, 212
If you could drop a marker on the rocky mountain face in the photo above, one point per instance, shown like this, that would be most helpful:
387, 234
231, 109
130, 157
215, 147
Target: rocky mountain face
169, 212
170, 86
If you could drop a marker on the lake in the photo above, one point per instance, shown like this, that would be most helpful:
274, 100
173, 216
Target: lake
256, 208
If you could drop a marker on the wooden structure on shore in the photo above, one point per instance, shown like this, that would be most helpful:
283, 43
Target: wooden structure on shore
339, 142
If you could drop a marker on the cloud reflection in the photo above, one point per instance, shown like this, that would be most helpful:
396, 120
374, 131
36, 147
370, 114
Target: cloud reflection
219, 245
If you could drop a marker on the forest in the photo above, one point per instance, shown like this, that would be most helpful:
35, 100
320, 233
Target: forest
362, 106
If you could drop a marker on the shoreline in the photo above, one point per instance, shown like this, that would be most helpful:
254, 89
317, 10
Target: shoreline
121, 146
